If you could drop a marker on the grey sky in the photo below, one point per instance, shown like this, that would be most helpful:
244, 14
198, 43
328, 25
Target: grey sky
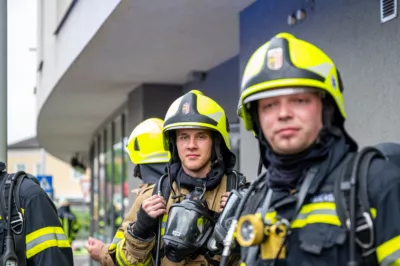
21, 69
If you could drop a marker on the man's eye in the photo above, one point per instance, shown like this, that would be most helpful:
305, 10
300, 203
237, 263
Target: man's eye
268, 106
301, 100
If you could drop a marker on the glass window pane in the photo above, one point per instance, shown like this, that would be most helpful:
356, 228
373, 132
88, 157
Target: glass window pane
108, 204
96, 186
125, 164
118, 192
234, 136
20, 167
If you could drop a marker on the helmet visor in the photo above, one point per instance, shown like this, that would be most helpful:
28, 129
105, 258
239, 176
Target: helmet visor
277, 92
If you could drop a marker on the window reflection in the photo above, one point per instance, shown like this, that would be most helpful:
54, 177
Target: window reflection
234, 136
110, 189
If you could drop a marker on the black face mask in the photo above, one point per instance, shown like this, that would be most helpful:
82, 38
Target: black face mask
287, 171
211, 180
149, 173
189, 226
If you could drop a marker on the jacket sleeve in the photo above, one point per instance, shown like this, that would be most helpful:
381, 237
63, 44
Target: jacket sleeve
386, 190
46, 242
125, 249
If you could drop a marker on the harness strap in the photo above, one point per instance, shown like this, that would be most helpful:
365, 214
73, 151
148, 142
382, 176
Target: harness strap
17, 218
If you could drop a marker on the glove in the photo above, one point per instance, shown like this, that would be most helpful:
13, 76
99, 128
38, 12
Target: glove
145, 226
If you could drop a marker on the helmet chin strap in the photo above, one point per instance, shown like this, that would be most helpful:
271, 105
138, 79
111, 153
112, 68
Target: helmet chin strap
217, 149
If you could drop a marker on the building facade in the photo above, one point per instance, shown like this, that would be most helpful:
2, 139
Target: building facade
27, 155
103, 70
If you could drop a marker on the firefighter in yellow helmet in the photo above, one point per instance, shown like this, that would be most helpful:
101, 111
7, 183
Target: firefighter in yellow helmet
145, 149
68, 219
188, 199
304, 210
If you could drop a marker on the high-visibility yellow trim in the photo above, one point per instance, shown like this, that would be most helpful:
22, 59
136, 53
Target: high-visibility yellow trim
321, 212
44, 238
122, 261
373, 212
308, 208
312, 219
117, 238
120, 254
389, 252
164, 221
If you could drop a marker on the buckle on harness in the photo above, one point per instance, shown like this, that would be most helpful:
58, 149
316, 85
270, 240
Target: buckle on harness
17, 223
368, 226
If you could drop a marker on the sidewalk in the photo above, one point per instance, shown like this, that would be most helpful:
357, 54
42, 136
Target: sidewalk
81, 260
81, 256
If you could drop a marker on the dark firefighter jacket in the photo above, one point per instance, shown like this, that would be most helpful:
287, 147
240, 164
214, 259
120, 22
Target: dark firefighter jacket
45, 240
317, 237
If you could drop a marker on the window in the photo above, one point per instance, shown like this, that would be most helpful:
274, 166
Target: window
76, 174
234, 136
20, 167
38, 169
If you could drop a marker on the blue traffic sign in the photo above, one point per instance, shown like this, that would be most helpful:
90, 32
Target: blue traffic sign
46, 182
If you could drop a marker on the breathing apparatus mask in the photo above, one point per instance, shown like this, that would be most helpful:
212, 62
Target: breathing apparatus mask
189, 226
224, 221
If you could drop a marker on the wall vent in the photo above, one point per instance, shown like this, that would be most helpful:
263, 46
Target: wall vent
388, 10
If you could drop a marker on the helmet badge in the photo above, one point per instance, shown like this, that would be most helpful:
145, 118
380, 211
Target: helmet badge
275, 58
333, 82
185, 108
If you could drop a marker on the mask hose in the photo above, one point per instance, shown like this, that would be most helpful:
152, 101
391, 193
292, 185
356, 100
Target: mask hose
229, 236
159, 193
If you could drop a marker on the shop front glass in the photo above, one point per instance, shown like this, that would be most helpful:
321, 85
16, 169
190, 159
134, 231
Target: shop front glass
108, 161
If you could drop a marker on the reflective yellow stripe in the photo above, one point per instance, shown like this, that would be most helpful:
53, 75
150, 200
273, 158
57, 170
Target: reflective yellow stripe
118, 237
164, 223
121, 256
45, 238
148, 262
122, 261
321, 212
389, 252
